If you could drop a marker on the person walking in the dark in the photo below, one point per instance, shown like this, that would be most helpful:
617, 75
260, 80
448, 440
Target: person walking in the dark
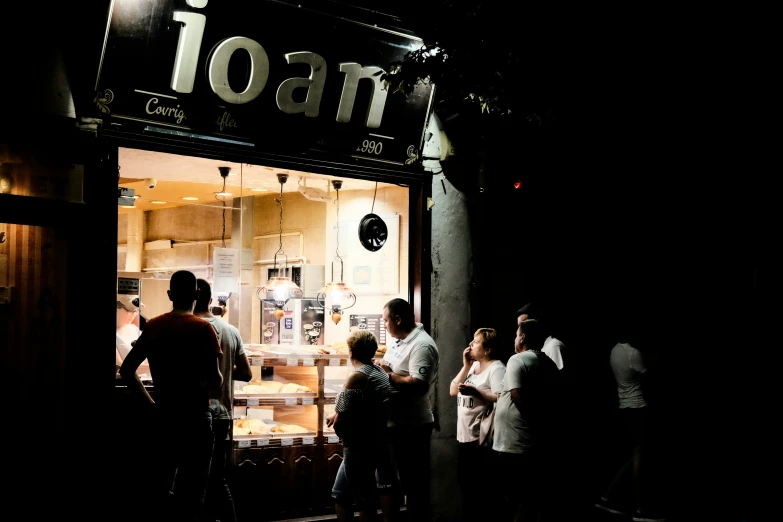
235, 366
630, 367
412, 366
184, 355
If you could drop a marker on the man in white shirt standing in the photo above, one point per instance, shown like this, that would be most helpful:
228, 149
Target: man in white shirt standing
412, 366
523, 422
235, 366
630, 367
553, 347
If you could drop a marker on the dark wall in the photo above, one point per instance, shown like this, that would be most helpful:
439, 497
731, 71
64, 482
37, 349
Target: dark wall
611, 227
49, 56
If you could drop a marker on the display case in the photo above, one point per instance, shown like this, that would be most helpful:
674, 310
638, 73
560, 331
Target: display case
284, 455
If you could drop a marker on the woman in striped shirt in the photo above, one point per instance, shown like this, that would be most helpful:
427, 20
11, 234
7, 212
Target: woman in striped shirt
360, 420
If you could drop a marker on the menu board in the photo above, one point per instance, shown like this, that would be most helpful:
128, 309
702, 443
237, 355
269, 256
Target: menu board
372, 322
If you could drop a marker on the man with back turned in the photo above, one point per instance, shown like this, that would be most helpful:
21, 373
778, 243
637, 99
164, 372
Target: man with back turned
183, 354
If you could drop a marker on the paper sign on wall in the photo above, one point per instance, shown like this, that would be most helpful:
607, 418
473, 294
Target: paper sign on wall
225, 266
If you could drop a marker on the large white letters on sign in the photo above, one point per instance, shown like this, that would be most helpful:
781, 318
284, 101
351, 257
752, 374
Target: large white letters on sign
186, 59
314, 85
218, 69
186, 62
353, 73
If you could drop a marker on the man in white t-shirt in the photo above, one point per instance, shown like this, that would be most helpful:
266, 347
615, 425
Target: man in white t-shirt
412, 365
234, 366
553, 347
523, 421
630, 368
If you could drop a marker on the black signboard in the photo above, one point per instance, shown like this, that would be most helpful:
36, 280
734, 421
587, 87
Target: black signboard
261, 71
371, 322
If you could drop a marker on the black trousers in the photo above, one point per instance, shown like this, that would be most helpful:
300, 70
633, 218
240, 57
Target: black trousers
410, 449
219, 502
477, 476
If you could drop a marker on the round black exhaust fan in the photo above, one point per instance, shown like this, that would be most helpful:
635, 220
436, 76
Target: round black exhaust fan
372, 232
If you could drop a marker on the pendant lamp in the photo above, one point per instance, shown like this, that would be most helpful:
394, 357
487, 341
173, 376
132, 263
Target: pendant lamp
280, 288
339, 294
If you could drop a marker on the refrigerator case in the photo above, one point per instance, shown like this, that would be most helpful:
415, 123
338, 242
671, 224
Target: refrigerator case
302, 324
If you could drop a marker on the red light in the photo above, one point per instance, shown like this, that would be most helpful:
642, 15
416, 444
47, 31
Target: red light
517, 184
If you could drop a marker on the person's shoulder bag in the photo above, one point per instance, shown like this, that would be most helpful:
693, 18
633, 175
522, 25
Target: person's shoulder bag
487, 426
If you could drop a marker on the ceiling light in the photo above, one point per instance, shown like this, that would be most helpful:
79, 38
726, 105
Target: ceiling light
190, 198
259, 190
339, 294
280, 289
158, 202
222, 193
136, 197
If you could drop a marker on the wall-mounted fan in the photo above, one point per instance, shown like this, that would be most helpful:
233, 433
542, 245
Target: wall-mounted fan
373, 232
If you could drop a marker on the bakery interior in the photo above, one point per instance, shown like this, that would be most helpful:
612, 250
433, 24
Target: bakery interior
175, 211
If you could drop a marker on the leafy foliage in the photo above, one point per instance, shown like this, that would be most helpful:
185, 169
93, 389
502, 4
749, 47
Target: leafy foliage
482, 56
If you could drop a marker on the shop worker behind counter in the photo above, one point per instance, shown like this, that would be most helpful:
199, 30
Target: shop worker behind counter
184, 357
412, 366
127, 332
234, 366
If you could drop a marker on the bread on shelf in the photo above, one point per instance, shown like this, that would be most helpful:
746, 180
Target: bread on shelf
254, 388
263, 387
288, 428
340, 347
292, 387
275, 387
242, 427
258, 427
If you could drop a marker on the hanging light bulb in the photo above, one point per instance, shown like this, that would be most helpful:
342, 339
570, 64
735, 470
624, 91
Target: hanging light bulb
338, 293
280, 288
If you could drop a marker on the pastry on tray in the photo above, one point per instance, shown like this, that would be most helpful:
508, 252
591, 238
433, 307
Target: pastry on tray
292, 387
242, 427
340, 347
258, 427
263, 387
288, 428
256, 385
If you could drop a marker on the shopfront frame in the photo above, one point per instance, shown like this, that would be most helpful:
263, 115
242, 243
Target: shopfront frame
303, 471
91, 232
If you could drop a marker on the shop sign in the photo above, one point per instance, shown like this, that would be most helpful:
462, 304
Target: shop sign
268, 72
